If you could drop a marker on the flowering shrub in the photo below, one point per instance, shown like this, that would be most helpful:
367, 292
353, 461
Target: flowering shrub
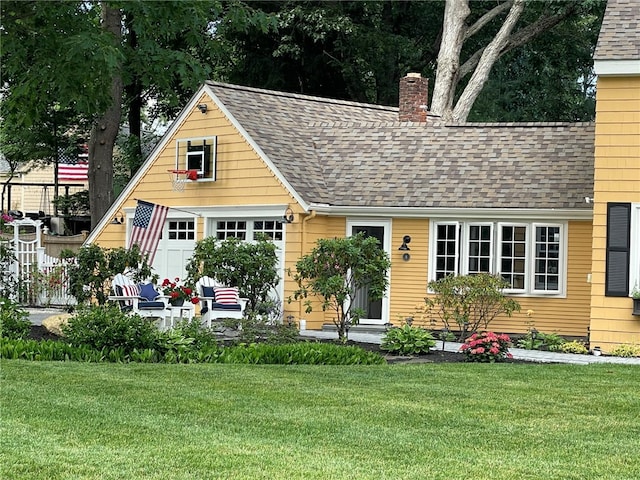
175, 290
5, 218
486, 347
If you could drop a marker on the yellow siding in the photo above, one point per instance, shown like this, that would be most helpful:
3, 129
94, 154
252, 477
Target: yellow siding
408, 280
312, 228
617, 179
242, 177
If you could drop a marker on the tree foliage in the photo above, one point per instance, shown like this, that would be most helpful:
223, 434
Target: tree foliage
252, 267
94, 267
336, 270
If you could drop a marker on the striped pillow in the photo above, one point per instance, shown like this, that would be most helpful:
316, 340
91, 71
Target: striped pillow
130, 291
227, 295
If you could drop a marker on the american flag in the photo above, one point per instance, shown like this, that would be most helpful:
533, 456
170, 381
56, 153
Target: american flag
147, 227
74, 168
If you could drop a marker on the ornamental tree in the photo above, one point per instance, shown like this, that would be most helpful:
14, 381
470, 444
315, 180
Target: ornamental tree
91, 273
250, 266
469, 301
336, 270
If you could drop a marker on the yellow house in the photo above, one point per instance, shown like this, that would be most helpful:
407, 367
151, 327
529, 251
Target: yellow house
616, 220
511, 199
504, 198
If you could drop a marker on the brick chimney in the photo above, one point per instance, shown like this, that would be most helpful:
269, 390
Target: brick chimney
413, 98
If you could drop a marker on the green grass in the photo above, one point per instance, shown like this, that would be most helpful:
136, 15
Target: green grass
440, 421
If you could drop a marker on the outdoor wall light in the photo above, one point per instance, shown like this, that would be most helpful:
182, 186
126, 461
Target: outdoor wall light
288, 215
202, 107
405, 241
118, 219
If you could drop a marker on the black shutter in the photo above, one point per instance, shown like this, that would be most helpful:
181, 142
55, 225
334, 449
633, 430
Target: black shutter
618, 249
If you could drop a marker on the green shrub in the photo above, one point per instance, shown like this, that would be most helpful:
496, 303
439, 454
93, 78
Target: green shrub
256, 329
181, 351
626, 350
469, 302
302, 353
486, 347
193, 328
407, 340
573, 347
541, 341
14, 320
106, 326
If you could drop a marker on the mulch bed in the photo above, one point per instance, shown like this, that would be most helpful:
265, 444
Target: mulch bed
38, 332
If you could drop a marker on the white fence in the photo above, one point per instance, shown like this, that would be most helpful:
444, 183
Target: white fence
42, 280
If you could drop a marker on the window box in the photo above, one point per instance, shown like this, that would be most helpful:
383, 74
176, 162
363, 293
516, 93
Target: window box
636, 307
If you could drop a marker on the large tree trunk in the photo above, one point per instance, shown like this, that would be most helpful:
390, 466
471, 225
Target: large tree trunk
487, 60
104, 132
453, 34
480, 63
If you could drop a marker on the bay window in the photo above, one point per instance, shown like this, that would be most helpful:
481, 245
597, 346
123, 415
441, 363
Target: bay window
531, 257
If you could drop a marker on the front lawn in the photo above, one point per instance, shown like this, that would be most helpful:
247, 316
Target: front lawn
434, 421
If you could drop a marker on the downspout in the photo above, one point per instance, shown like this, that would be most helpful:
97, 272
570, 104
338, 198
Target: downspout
303, 242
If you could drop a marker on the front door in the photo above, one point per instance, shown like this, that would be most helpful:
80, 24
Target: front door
376, 311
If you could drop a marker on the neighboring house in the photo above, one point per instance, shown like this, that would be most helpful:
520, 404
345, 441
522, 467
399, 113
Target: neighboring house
616, 220
504, 198
32, 189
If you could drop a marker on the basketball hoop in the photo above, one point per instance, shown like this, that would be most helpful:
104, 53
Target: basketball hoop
180, 177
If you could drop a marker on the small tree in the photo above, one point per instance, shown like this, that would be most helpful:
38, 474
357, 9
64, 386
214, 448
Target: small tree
90, 275
469, 301
252, 267
335, 270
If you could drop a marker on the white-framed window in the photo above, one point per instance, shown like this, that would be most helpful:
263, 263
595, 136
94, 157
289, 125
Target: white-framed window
530, 256
197, 154
273, 229
181, 229
231, 228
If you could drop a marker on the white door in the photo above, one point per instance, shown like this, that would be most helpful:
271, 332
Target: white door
175, 248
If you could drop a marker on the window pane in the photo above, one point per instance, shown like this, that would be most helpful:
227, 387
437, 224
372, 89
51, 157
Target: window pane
446, 250
181, 230
479, 248
513, 259
547, 265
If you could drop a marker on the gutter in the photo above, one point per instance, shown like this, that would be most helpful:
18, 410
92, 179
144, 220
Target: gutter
447, 212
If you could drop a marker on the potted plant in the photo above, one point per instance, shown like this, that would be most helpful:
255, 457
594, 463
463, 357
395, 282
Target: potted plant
635, 295
178, 293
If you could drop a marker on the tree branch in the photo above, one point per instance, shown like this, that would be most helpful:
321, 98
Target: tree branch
486, 18
519, 38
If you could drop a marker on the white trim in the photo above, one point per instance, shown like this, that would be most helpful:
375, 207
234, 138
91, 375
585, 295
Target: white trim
467, 213
562, 261
466, 239
433, 247
527, 257
605, 68
386, 224
462, 252
634, 254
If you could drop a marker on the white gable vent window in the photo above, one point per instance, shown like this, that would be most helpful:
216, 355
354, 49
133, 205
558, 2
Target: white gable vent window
197, 154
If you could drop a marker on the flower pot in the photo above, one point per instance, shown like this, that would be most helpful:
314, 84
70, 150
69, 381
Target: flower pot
636, 307
177, 302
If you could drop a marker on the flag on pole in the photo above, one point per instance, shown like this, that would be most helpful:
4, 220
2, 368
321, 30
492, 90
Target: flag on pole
72, 167
147, 227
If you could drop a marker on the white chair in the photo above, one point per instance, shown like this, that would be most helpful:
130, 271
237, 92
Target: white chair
145, 301
227, 305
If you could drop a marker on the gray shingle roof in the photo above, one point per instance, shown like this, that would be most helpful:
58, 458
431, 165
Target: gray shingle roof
351, 154
620, 32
